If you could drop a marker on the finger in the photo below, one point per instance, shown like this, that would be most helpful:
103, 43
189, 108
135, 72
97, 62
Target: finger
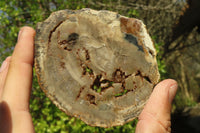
3, 73
155, 117
19, 78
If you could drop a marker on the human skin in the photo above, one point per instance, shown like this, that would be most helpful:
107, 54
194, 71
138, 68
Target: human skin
15, 87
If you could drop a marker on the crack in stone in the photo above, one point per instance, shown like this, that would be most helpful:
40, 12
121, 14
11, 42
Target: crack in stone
70, 42
144, 77
87, 69
91, 99
119, 76
97, 83
79, 94
62, 64
52, 31
101, 85
87, 56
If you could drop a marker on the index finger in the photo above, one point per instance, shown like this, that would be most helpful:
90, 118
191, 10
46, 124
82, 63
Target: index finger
16, 91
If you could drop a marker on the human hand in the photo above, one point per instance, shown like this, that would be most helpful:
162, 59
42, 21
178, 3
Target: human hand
15, 86
156, 115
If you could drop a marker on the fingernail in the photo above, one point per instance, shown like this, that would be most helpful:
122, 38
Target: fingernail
172, 91
3, 66
19, 34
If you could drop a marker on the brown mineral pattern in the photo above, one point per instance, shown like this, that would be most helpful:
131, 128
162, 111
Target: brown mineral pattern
98, 66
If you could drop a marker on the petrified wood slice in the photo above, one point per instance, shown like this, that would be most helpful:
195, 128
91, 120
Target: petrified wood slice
98, 66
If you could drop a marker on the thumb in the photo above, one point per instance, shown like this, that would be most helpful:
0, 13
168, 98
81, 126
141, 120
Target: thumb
155, 117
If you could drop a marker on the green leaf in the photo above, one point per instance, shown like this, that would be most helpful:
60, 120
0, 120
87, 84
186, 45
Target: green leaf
99, 90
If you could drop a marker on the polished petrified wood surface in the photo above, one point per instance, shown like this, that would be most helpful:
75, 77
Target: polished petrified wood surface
98, 66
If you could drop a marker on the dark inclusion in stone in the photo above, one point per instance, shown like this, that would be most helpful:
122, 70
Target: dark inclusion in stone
132, 39
73, 37
70, 42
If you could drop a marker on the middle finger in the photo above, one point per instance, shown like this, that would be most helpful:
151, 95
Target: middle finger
3, 74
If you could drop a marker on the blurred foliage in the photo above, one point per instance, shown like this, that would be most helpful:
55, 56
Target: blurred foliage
182, 102
161, 63
47, 118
